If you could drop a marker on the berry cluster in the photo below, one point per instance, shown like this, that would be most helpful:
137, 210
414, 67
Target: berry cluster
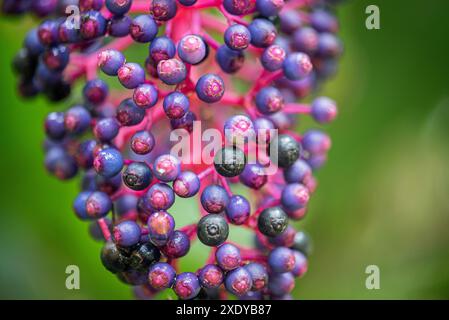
239, 66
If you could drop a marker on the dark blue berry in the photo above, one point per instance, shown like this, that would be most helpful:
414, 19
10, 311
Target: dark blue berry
272, 221
214, 199
230, 61
95, 91
129, 114
269, 100
263, 32
137, 176
210, 88
143, 28
126, 233
177, 246
160, 196
212, 230
237, 37
108, 162
238, 210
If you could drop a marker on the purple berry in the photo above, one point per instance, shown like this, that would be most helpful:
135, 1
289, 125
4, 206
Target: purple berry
253, 176
166, 167
163, 10
192, 49
259, 275
238, 210
108, 162
129, 114
228, 257
237, 37
281, 260
263, 32
211, 276
126, 233
186, 286
297, 65
210, 88
142, 142
177, 246
238, 281
131, 75
143, 28
162, 48
273, 57
214, 199
295, 196
110, 61
145, 96
161, 276
98, 204
161, 226
176, 105
160, 196
187, 184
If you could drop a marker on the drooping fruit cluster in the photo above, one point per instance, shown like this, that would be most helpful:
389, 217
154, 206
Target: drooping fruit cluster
239, 66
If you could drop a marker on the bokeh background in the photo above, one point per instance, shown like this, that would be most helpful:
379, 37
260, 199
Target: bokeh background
383, 197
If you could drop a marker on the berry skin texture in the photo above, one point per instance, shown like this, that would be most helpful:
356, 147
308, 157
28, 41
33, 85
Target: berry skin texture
259, 275
298, 172
144, 256
237, 37
253, 176
163, 10
166, 167
112, 258
212, 230
305, 40
186, 185
238, 210
273, 57
129, 114
142, 142
171, 71
177, 246
77, 120
272, 221
126, 234
186, 286
269, 100
176, 105
230, 61
281, 260
98, 204
214, 199
263, 33
324, 110
161, 276
160, 197
297, 65
210, 88
192, 49
118, 7
143, 28
288, 150
161, 226
239, 128
238, 281
211, 276
228, 257
145, 96
295, 196
137, 176
108, 162
230, 161
131, 75
162, 48
281, 284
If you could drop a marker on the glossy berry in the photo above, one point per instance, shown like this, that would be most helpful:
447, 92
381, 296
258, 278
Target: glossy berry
162, 48
106, 129
98, 204
137, 176
144, 256
269, 100
142, 142
228, 257
230, 161
263, 32
129, 114
281, 260
259, 275
253, 176
272, 221
110, 61
79, 205
161, 276
119, 26
187, 184
112, 258
212, 230
163, 10
126, 233
239, 128
295, 196
323, 110
56, 58
316, 142
176, 105
77, 119
210, 276
54, 125
297, 172
237, 37
166, 167
160, 196
273, 57
95, 91
238, 210
288, 150
143, 28
210, 88
186, 286
171, 71
118, 7
214, 199
108, 162
84, 154
177, 246
281, 284
238, 281
230, 61
161, 226
93, 25
297, 65
192, 49
131, 75
145, 96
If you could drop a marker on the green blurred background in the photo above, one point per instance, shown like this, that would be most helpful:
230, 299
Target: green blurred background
382, 197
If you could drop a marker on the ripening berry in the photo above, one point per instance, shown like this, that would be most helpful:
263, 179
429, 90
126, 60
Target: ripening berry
129, 114
137, 176
281, 260
239, 7
79, 205
93, 25
328, 46
106, 129
295, 196
238, 210
187, 184
228, 257
47, 32
211, 276
192, 49
125, 204
161, 276
253, 176
98, 204
54, 125
118, 7
143, 28
95, 91
110, 61
144, 256
263, 32
285, 239
108, 162
186, 286
269, 8
315, 142
297, 172
77, 120
84, 153
56, 58
126, 233
273, 57
119, 26
272, 221
238, 129
166, 167
281, 284
323, 21
214, 199
145, 96
161, 226
131, 75
86, 5
177, 246
162, 48
210, 88
259, 275
212, 230
160, 196
163, 10
237, 37
238, 281
269, 100
171, 71
297, 65
176, 105
133, 277
290, 21
305, 40
230, 61
142, 142
186, 122
300, 267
